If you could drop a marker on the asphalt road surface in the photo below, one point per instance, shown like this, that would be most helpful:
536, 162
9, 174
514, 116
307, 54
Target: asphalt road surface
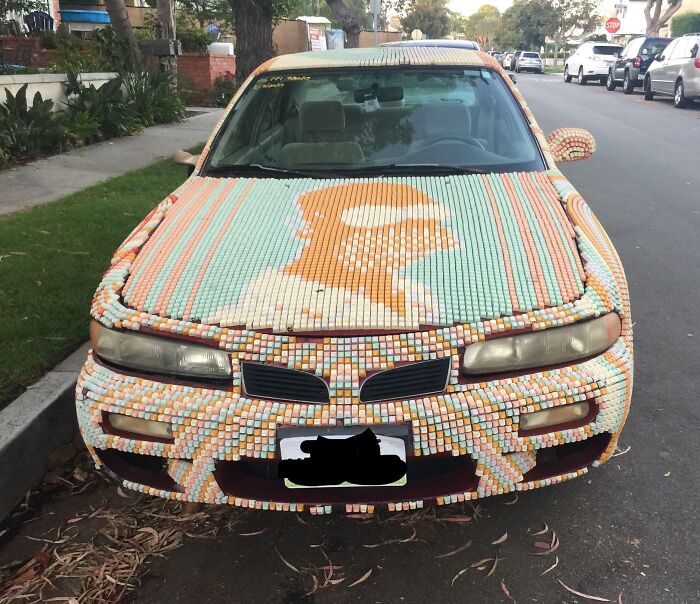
629, 527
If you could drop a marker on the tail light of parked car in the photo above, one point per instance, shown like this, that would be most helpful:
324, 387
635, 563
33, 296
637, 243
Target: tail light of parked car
697, 62
637, 62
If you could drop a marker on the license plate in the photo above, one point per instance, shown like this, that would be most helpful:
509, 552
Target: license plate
342, 460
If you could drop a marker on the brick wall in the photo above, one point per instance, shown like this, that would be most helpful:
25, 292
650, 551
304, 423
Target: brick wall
202, 70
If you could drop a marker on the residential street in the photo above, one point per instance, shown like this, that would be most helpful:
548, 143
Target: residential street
629, 527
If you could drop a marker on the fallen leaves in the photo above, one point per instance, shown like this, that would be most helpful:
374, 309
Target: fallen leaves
362, 579
454, 551
582, 595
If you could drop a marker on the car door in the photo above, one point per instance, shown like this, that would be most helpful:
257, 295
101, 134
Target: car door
660, 75
678, 60
574, 61
619, 67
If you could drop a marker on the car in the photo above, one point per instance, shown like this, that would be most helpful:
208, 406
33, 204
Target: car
514, 59
363, 297
529, 61
496, 54
631, 66
465, 44
676, 72
506, 60
592, 60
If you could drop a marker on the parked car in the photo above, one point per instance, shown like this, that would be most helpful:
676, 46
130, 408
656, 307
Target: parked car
631, 66
514, 59
592, 60
363, 297
496, 54
529, 61
676, 71
465, 44
506, 60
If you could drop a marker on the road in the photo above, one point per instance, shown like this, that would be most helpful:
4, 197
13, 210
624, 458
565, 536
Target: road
627, 528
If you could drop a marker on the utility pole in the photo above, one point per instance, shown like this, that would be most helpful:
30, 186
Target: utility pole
376, 6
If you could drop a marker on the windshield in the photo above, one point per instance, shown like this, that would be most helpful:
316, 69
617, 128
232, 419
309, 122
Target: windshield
531, 55
369, 121
607, 50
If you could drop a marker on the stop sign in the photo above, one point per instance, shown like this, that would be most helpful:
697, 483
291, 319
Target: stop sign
613, 25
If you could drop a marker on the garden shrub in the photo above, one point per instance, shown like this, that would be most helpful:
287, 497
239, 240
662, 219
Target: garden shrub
687, 23
153, 98
27, 132
224, 88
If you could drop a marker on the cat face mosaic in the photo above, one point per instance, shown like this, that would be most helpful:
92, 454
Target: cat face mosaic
344, 279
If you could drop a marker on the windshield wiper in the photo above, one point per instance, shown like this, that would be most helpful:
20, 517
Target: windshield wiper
258, 169
414, 169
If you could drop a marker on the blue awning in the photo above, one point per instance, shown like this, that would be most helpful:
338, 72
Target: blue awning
84, 16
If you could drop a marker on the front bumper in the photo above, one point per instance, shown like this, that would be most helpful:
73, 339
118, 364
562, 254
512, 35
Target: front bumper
463, 444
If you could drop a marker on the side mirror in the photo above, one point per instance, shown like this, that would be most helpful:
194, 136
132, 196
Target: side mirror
571, 144
186, 159
512, 78
658, 57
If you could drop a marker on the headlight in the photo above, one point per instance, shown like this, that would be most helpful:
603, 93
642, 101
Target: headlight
157, 354
542, 348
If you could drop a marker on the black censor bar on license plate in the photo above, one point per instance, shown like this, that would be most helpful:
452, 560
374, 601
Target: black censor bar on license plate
332, 459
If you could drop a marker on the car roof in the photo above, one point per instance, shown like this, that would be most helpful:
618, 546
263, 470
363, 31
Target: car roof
384, 56
448, 43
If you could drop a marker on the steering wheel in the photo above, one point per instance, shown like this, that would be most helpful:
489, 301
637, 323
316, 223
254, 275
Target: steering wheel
453, 139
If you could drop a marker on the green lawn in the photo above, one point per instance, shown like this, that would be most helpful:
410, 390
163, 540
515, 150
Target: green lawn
558, 69
52, 258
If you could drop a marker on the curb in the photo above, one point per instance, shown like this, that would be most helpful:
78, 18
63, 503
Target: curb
33, 426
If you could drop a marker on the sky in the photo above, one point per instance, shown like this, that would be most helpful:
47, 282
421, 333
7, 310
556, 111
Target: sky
467, 7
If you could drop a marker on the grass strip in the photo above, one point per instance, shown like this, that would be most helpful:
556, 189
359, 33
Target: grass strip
52, 258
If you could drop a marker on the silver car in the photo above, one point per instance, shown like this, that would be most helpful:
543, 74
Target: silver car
529, 61
676, 72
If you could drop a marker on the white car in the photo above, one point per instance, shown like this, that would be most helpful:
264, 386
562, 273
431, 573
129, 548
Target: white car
592, 61
507, 60
529, 61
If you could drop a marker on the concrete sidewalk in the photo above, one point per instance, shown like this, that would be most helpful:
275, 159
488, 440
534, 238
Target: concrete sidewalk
48, 179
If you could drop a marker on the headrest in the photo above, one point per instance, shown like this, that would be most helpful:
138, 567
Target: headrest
322, 116
444, 120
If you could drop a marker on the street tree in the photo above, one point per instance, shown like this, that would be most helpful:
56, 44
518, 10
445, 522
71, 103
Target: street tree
351, 15
253, 21
524, 24
432, 17
119, 19
484, 25
569, 17
656, 17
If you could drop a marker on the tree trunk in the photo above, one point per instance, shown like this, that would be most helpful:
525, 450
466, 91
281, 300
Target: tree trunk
253, 27
165, 11
556, 52
121, 25
349, 21
656, 20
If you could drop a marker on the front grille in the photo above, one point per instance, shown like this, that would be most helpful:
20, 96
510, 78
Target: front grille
416, 379
268, 381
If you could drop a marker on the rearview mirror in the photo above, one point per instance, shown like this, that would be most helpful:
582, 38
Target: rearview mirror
571, 144
186, 159
512, 78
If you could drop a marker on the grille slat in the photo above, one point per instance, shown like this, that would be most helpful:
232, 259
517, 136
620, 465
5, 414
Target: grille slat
268, 381
416, 379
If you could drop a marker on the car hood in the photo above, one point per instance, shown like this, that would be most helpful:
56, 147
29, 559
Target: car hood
306, 255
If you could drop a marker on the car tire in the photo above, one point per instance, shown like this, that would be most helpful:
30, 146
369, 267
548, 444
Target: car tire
627, 84
648, 94
581, 78
679, 98
567, 75
610, 82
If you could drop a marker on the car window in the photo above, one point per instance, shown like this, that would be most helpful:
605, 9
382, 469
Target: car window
686, 48
632, 49
654, 46
531, 55
607, 50
668, 51
369, 119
